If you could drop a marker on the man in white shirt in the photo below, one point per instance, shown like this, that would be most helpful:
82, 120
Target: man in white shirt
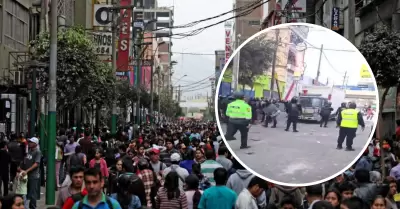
247, 199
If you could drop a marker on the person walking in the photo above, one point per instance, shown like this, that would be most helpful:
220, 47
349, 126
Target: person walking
240, 115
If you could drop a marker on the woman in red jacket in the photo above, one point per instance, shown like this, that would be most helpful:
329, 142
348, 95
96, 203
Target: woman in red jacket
99, 163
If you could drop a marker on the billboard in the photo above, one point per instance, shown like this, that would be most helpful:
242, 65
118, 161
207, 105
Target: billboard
124, 37
146, 77
335, 18
102, 16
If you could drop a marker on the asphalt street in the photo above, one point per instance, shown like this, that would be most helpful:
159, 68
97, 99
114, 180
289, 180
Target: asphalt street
297, 158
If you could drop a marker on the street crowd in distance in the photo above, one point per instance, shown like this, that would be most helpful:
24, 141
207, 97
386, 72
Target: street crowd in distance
179, 165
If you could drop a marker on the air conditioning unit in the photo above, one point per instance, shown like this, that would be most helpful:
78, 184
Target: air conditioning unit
19, 78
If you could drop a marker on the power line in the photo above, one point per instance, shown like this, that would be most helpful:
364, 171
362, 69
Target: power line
208, 86
198, 81
199, 30
330, 64
191, 24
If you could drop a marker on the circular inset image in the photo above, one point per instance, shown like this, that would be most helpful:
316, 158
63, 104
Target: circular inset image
297, 104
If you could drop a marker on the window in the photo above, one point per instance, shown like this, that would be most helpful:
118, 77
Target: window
310, 102
16, 29
255, 22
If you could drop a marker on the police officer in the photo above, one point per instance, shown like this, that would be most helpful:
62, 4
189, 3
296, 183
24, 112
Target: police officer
240, 116
325, 114
293, 110
349, 120
340, 109
271, 112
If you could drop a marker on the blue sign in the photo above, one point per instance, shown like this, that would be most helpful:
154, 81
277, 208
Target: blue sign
335, 18
357, 88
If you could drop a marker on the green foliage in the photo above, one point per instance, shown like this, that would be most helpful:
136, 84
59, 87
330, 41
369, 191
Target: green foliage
382, 52
81, 76
255, 59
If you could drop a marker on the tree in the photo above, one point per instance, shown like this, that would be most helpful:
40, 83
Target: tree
255, 59
82, 77
381, 50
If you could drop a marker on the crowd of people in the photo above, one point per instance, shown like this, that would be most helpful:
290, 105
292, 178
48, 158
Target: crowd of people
182, 165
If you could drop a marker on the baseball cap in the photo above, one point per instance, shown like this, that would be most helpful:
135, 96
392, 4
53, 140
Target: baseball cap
34, 140
175, 157
155, 151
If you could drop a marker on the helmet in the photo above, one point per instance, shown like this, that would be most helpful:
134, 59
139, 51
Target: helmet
238, 95
343, 105
294, 100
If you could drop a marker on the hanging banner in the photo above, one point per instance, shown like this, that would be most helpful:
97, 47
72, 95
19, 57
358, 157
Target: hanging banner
335, 18
124, 37
228, 42
364, 72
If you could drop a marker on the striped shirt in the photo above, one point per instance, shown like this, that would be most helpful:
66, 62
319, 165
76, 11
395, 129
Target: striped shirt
207, 169
162, 201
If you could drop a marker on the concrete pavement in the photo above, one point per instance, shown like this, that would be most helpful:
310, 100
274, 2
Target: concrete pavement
297, 158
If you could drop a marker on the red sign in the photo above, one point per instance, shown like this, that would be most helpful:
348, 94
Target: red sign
228, 44
124, 37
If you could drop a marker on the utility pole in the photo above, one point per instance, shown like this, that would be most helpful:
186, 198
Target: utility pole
321, 51
139, 75
151, 91
33, 104
352, 21
160, 78
114, 69
43, 112
344, 85
51, 145
179, 93
236, 66
271, 89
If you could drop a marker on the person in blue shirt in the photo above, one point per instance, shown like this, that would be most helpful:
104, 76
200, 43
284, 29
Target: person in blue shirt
124, 194
95, 199
215, 195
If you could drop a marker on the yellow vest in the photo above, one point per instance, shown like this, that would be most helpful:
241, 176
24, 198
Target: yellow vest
239, 109
349, 118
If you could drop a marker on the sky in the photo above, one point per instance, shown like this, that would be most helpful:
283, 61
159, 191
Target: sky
334, 63
196, 67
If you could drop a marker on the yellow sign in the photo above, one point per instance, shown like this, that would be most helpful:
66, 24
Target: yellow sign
364, 71
396, 197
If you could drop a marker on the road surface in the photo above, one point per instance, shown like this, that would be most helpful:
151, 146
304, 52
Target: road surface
297, 158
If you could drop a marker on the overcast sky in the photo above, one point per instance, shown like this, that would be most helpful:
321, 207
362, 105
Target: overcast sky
197, 67
334, 63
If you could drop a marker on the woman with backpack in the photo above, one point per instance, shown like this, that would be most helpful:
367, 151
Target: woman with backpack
193, 194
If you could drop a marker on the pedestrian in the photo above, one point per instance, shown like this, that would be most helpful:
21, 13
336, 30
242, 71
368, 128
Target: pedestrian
240, 116
170, 196
294, 111
325, 114
76, 186
247, 197
209, 166
348, 121
5, 161
94, 182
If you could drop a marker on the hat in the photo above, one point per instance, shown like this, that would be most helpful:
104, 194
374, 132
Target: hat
175, 157
34, 140
155, 151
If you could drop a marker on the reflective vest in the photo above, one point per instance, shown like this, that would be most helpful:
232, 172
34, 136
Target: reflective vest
349, 118
239, 109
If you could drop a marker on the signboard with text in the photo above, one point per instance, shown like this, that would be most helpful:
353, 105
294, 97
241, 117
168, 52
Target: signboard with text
335, 18
124, 37
102, 16
103, 42
228, 43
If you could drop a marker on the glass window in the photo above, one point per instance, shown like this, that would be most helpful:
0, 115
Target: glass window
8, 29
310, 102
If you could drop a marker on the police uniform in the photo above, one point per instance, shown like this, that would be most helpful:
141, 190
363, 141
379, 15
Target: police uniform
348, 121
240, 115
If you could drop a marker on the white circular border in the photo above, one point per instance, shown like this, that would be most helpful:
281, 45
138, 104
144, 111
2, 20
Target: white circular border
286, 25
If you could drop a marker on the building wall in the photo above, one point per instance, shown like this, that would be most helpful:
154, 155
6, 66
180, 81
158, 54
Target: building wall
249, 24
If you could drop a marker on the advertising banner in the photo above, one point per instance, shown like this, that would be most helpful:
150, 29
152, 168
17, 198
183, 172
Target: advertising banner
228, 43
364, 72
146, 77
124, 37
335, 18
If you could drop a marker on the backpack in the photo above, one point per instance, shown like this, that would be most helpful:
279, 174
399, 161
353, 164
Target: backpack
75, 160
108, 201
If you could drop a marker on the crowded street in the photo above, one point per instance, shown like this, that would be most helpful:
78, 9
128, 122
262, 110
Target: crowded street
297, 157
